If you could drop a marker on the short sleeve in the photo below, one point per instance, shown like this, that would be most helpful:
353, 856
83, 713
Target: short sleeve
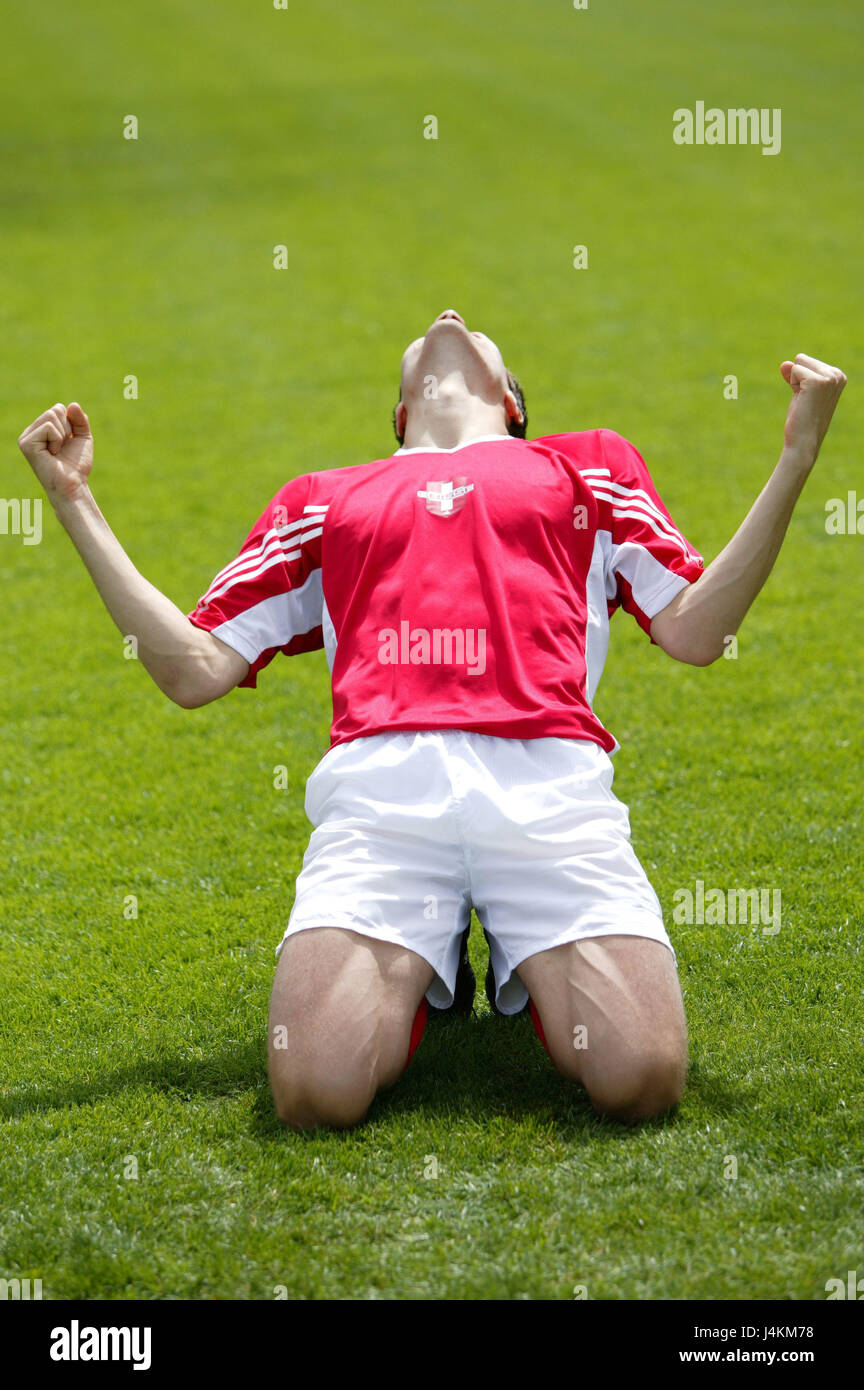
649, 560
269, 599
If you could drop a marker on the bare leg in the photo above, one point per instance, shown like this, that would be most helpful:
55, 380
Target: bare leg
340, 1022
623, 991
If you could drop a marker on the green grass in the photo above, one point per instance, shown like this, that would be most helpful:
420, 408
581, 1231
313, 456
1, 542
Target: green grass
144, 1037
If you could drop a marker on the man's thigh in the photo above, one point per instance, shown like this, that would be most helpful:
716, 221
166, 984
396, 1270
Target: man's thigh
613, 1016
341, 1013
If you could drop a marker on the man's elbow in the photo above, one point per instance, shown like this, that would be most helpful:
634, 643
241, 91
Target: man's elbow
190, 699
187, 693
702, 656
197, 672
679, 636
691, 651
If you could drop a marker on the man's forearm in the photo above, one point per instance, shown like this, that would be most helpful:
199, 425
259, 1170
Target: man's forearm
693, 627
173, 650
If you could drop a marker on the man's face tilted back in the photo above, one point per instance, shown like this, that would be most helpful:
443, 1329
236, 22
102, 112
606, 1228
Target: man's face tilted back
455, 387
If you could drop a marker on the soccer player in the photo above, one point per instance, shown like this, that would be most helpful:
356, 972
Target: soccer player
462, 589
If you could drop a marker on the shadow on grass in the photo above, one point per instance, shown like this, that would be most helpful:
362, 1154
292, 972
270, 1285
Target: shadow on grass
476, 1068
189, 1078
497, 1066
480, 1068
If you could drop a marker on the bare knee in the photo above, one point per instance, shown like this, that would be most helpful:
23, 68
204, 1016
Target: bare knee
320, 1080
303, 1109
315, 1098
639, 1088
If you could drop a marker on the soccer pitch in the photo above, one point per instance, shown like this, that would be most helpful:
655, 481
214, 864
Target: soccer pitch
149, 854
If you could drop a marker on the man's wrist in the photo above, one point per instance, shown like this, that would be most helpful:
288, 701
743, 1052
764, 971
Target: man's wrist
797, 458
80, 502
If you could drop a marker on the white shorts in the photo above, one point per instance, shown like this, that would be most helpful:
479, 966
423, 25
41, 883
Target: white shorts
412, 830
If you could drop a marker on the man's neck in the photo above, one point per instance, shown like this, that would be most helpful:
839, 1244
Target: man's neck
448, 428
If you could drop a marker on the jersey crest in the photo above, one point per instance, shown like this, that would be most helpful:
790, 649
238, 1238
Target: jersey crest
445, 499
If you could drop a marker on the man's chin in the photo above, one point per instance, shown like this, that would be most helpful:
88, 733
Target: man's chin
447, 328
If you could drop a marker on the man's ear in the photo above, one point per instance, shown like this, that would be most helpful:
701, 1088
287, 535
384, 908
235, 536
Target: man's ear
401, 419
511, 407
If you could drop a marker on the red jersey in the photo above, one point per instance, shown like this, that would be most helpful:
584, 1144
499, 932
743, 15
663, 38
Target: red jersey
466, 588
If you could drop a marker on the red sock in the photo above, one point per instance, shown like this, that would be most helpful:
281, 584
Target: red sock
538, 1026
417, 1029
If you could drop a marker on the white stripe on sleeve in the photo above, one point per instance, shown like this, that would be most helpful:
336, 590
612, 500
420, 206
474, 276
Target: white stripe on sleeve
276, 620
653, 585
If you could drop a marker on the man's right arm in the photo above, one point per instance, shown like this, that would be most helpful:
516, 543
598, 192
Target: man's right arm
190, 666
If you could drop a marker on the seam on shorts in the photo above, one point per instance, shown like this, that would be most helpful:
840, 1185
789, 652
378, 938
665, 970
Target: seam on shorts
457, 802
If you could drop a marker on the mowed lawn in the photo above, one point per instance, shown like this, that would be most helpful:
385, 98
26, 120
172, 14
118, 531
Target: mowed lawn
141, 1155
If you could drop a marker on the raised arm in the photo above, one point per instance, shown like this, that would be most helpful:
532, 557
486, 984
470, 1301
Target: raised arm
693, 626
190, 666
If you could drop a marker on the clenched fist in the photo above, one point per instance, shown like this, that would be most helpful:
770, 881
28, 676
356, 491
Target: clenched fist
59, 448
817, 390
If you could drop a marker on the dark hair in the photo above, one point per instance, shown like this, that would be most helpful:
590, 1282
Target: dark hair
518, 428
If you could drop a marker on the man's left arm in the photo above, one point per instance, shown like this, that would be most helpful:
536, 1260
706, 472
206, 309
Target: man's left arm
693, 626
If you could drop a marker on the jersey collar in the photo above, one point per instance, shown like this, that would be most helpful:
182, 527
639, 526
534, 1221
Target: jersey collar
436, 449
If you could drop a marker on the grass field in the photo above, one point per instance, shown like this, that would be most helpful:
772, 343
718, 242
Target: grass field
141, 1041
